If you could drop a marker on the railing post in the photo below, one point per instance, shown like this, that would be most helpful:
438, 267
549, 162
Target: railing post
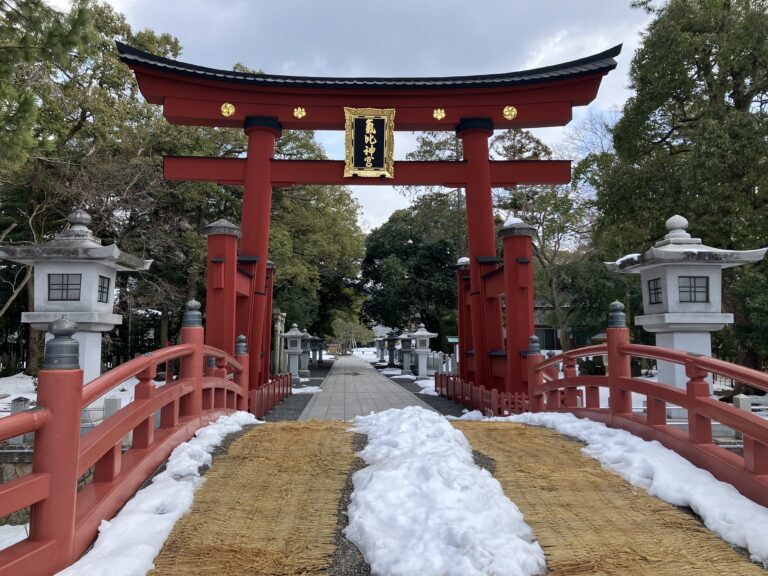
569, 369
57, 444
535, 377
192, 365
699, 427
620, 401
241, 378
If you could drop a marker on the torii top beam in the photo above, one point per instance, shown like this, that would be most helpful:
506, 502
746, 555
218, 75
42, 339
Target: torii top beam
194, 95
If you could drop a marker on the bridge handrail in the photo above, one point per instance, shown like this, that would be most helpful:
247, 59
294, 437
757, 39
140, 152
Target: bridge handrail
97, 387
23, 422
748, 473
211, 352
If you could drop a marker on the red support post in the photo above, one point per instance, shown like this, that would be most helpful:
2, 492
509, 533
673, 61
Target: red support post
518, 288
191, 367
485, 312
221, 293
464, 317
699, 427
267, 325
57, 444
241, 378
257, 205
620, 400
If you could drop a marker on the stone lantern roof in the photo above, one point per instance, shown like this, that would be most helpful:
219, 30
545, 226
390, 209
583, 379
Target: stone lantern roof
423, 333
75, 243
294, 332
678, 247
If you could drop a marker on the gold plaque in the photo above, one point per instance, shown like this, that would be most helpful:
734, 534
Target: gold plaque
227, 109
509, 112
370, 142
438, 114
299, 112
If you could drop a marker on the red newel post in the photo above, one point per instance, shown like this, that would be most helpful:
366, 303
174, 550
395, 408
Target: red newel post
192, 366
620, 401
699, 427
518, 287
535, 377
464, 316
57, 444
221, 296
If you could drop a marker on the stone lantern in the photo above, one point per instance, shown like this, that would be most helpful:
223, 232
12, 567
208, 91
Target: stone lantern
681, 285
304, 363
320, 349
405, 347
382, 345
74, 276
422, 338
293, 342
391, 338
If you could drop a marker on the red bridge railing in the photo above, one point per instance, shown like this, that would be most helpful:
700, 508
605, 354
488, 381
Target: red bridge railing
63, 519
580, 395
747, 472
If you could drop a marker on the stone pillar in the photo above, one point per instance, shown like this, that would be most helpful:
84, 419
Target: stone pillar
382, 343
391, 348
293, 338
405, 346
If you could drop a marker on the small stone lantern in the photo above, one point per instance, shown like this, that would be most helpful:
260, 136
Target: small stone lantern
422, 338
74, 276
405, 347
304, 363
293, 339
681, 284
382, 345
391, 339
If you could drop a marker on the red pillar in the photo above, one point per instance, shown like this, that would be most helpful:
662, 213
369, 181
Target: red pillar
485, 312
465, 327
518, 283
221, 296
257, 205
267, 324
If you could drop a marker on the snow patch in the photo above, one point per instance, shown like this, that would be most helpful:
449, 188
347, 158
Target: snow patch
307, 390
423, 507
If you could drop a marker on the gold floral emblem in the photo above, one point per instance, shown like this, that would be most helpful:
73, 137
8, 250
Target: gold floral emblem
438, 113
227, 109
299, 112
509, 112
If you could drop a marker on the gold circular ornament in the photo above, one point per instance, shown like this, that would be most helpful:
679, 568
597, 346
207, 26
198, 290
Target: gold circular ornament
509, 112
438, 113
299, 112
227, 109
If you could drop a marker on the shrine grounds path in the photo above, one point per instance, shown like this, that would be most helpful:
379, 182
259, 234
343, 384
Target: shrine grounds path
355, 388
275, 500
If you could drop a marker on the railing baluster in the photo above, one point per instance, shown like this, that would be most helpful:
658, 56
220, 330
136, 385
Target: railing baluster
699, 427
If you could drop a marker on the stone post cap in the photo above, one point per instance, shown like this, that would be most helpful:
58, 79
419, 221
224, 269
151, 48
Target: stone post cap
515, 226
534, 346
192, 315
62, 352
616, 317
222, 227
241, 345
677, 226
462, 262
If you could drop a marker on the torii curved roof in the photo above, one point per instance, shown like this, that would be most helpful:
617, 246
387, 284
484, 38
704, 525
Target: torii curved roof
193, 94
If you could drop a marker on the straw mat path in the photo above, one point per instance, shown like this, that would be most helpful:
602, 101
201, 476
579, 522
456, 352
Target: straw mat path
268, 506
590, 521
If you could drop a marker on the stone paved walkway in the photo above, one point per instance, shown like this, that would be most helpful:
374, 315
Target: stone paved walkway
355, 388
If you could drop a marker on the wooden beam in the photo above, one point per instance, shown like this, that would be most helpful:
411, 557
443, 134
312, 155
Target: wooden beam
290, 172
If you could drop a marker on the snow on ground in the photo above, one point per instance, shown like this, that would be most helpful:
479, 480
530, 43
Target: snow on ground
422, 506
18, 385
666, 475
307, 390
327, 356
128, 543
427, 387
9, 535
391, 371
367, 354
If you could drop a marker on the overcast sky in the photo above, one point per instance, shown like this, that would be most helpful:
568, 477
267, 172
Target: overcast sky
397, 38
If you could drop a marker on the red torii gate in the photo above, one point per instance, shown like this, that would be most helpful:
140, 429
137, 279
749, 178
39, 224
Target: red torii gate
265, 104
